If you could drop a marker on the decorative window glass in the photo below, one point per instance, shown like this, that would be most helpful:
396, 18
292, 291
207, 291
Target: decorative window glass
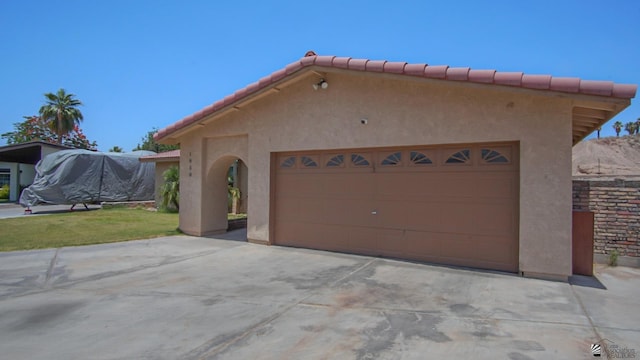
418, 158
392, 159
493, 157
308, 162
336, 161
288, 162
359, 160
461, 157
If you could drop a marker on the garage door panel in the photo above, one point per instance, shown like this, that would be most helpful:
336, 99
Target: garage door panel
333, 185
391, 214
423, 244
317, 236
497, 249
287, 209
351, 212
362, 240
288, 234
404, 184
336, 238
457, 185
457, 246
349, 185
423, 216
311, 210
494, 219
501, 186
456, 217
392, 243
299, 185
460, 213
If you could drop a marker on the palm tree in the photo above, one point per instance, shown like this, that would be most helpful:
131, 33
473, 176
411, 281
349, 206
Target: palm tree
171, 188
617, 126
630, 127
61, 112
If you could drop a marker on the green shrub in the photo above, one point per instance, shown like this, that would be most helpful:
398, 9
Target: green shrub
4, 192
613, 257
171, 188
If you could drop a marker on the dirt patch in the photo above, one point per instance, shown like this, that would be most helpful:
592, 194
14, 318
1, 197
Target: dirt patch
607, 156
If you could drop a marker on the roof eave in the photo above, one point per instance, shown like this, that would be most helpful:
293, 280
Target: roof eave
540, 84
590, 113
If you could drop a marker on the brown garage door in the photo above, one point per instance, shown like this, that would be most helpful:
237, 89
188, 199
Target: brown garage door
453, 205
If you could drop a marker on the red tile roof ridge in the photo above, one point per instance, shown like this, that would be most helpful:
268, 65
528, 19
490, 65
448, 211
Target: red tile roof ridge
442, 72
162, 155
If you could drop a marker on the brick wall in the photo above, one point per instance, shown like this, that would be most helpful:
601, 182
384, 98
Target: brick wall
616, 207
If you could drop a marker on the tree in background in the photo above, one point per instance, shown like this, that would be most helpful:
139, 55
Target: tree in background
638, 126
61, 112
116, 149
33, 128
148, 143
617, 126
171, 188
630, 127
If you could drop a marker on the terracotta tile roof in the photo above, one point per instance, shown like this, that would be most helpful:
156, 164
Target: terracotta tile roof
173, 155
442, 72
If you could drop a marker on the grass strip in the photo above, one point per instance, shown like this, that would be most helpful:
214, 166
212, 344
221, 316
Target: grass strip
85, 228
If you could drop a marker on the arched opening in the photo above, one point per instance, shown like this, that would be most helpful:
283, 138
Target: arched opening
225, 197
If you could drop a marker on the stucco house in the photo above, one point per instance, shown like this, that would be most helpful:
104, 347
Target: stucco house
163, 161
18, 161
430, 163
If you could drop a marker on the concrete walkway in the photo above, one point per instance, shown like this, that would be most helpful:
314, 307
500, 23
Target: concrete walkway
13, 210
201, 298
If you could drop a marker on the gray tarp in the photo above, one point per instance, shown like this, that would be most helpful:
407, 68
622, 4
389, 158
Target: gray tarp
82, 176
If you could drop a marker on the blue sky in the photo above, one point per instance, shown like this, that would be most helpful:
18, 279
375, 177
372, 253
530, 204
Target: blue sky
140, 64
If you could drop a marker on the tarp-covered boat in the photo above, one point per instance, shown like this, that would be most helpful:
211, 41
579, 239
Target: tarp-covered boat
83, 176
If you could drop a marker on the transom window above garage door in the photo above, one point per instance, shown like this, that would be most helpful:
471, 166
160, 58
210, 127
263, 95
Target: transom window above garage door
428, 158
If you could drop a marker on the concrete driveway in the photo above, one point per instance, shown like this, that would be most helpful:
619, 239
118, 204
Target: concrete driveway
200, 298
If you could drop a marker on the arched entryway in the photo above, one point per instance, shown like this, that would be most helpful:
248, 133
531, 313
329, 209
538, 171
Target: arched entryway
225, 194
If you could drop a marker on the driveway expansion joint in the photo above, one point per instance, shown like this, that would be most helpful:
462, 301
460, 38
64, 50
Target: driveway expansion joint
586, 314
52, 265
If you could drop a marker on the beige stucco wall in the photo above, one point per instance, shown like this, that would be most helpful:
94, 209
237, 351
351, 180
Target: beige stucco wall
46, 150
399, 112
161, 167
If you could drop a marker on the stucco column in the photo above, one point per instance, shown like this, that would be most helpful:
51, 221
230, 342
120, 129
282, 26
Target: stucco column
192, 173
259, 192
546, 201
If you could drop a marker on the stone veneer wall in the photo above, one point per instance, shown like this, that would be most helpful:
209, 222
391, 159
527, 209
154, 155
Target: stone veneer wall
616, 207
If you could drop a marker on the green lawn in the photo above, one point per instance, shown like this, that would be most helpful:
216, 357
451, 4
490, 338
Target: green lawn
84, 228
236, 216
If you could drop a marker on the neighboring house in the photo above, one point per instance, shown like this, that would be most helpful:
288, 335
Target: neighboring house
17, 163
429, 163
167, 159
163, 161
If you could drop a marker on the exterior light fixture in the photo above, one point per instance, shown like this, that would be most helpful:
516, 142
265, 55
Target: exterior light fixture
322, 84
